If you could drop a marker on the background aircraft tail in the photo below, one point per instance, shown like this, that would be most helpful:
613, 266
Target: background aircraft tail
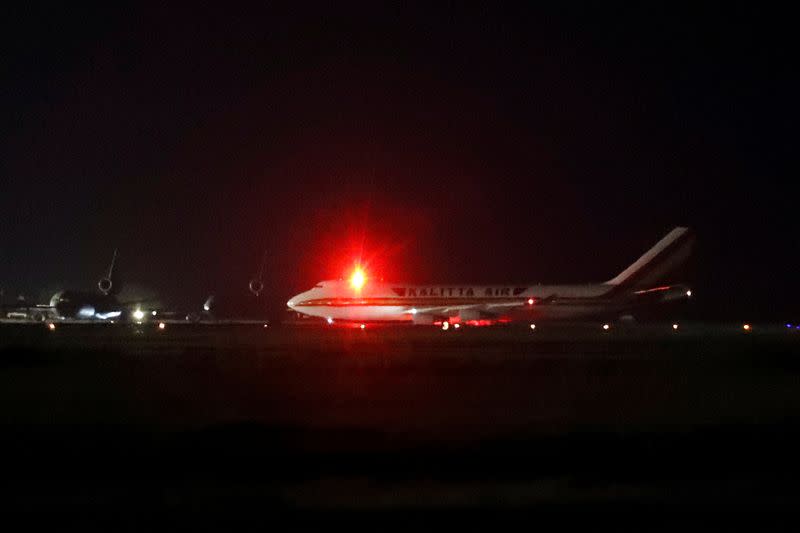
110, 284
668, 254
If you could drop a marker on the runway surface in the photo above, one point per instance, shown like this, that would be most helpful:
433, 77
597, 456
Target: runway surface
388, 420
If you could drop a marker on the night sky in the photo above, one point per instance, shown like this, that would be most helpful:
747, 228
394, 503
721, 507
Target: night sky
441, 144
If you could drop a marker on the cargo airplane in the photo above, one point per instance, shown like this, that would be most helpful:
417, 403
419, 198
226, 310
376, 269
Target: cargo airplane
80, 305
363, 300
106, 305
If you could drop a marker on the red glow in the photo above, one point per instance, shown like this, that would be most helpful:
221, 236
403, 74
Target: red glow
654, 289
484, 322
368, 228
358, 278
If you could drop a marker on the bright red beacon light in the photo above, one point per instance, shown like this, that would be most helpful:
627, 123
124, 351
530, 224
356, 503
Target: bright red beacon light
358, 278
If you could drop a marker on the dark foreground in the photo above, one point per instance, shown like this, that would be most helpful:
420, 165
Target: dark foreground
226, 426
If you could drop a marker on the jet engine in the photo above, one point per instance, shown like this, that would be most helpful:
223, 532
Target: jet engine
105, 285
256, 286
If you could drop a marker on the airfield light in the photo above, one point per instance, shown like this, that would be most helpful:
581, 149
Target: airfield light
138, 314
746, 327
688, 294
358, 278
266, 325
445, 325
606, 327
413, 311
530, 301
206, 307
789, 326
456, 325
533, 326
675, 326
161, 325
51, 326
154, 313
329, 320
363, 326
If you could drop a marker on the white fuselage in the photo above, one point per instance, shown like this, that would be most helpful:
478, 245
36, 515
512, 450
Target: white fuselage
366, 300
382, 301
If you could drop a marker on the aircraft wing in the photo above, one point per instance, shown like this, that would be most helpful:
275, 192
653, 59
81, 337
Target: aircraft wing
144, 303
663, 293
24, 312
494, 306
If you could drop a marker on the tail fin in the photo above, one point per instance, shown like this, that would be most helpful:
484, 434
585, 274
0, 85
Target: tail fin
666, 255
110, 284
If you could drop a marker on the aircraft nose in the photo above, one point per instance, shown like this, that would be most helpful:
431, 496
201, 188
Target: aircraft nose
298, 299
